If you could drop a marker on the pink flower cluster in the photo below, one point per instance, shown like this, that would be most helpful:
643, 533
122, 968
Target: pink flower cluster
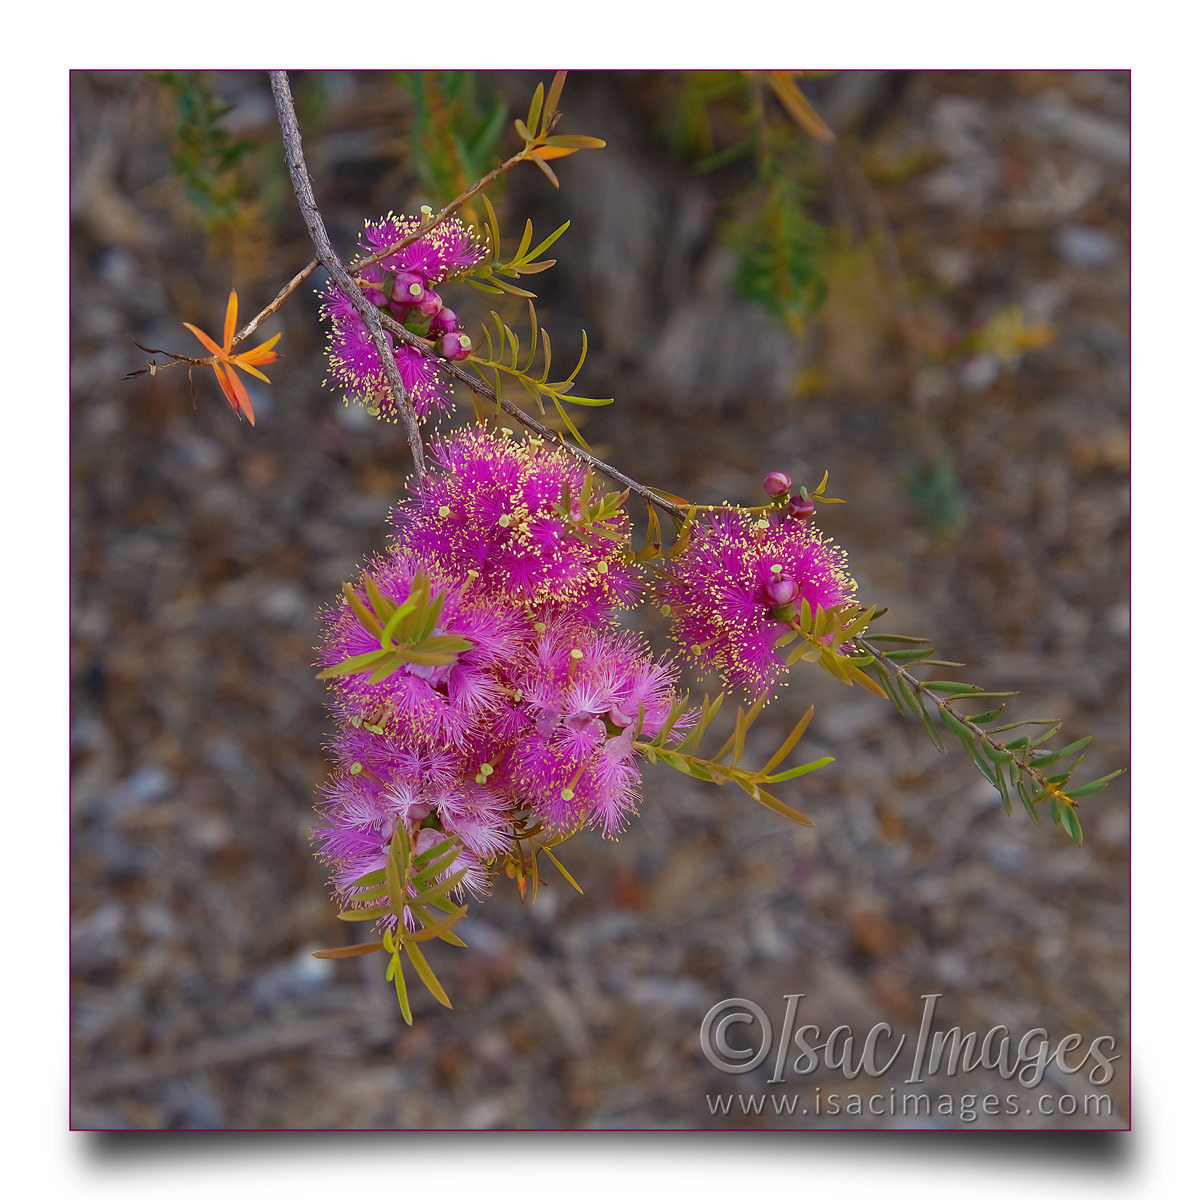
519, 702
403, 284
481, 685
733, 592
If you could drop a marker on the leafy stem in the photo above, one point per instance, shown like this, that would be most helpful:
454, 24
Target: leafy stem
1019, 765
410, 896
536, 149
724, 765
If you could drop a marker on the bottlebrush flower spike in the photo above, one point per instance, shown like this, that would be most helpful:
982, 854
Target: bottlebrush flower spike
448, 249
527, 520
730, 593
249, 360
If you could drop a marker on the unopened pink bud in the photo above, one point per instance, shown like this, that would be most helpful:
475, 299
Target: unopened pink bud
801, 509
781, 591
446, 321
778, 483
454, 346
407, 287
430, 304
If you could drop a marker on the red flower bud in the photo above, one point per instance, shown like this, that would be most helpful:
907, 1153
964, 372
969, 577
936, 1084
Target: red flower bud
801, 509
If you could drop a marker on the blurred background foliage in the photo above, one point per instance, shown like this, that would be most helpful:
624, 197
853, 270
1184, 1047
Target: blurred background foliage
933, 306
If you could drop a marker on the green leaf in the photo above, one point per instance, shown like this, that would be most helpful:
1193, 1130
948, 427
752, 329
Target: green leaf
1002, 786
910, 697
796, 772
396, 618
392, 663
432, 869
379, 602
436, 851
857, 675
930, 728
397, 977
1071, 824
915, 654
986, 718
562, 870
776, 805
364, 914
356, 951
885, 679
552, 96
1054, 755
352, 666
535, 108
985, 768
526, 238
444, 888
1027, 801
789, 743
576, 141
1096, 785
439, 929
1018, 724
543, 246
428, 978
954, 724
375, 893
401, 849
395, 886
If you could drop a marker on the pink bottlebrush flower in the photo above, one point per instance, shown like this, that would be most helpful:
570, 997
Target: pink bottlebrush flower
446, 251
355, 365
362, 806
425, 386
727, 593
355, 827
493, 511
426, 706
402, 283
584, 691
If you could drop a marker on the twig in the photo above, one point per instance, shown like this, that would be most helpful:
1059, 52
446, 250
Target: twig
438, 217
355, 268
377, 320
482, 389
302, 185
284, 292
